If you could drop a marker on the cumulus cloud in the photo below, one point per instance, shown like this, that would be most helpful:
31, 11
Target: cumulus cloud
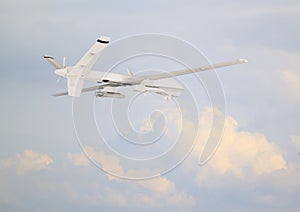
78, 159
157, 192
240, 153
159, 185
107, 162
27, 161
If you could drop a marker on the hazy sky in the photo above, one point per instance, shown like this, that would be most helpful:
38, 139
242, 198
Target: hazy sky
257, 164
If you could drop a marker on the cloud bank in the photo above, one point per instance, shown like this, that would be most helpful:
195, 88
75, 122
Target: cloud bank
27, 161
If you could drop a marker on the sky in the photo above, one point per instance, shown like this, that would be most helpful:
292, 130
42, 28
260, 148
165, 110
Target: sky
256, 166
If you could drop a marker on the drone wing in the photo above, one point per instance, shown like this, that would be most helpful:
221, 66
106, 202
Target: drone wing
194, 70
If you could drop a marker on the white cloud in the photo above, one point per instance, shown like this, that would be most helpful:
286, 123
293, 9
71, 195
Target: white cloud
241, 154
107, 162
27, 161
156, 192
159, 184
78, 159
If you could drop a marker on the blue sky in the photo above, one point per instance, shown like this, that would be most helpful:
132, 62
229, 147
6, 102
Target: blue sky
257, 164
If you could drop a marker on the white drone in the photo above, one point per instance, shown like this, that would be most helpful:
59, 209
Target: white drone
108, 82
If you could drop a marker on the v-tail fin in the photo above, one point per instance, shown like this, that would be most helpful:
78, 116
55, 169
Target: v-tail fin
53, 62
